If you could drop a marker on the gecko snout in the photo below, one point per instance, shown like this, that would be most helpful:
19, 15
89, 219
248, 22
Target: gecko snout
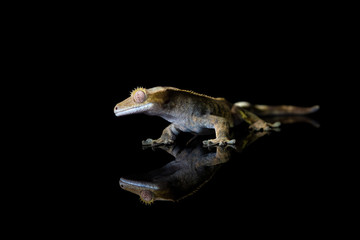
116, 109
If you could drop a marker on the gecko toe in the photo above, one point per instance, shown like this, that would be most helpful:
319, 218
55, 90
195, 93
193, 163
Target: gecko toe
227, 142
148, 141
207, 143
220, 142
151, 142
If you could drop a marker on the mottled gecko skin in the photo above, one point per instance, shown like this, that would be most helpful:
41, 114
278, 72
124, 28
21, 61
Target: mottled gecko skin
189, 112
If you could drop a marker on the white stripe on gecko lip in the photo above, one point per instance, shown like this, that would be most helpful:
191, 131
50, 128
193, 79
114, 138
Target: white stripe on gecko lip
138, 184
133, 110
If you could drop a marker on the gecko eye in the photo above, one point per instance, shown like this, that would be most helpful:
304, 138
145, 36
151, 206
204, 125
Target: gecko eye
139, 96
147, 197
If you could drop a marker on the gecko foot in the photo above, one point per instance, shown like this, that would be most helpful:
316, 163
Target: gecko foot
261, 125
218, 141
160, 141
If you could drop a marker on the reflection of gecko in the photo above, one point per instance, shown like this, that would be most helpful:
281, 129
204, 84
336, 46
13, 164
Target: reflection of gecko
193, 167
196, 113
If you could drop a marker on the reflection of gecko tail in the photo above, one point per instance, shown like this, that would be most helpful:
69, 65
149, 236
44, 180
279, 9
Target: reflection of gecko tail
266, 110
290, 119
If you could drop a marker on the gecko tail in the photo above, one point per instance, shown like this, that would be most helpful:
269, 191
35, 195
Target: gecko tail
267, 110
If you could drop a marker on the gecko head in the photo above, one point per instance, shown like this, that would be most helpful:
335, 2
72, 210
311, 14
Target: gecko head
138, 102
141, 100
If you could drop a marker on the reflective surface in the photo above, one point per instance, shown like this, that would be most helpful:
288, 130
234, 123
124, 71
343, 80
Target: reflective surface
192, 165
277, 178
85, 64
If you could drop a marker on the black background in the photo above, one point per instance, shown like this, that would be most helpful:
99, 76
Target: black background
91, 61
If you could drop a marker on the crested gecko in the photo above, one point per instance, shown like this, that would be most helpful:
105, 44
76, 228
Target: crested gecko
188, 111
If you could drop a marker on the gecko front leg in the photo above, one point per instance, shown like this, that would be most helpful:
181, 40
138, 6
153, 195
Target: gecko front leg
222, 128
167, 137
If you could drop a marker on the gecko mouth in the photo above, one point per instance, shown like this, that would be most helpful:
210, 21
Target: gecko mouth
132, 110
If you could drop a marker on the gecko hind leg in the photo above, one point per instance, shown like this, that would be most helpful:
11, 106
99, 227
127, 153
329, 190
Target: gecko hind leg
255, 122
261, 125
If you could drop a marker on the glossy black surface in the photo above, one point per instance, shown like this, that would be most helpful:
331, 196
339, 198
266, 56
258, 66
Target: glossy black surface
283, 175
75, 68
281, 169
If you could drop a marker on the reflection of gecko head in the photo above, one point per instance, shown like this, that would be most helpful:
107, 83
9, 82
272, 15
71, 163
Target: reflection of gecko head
163, 189
144, 189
